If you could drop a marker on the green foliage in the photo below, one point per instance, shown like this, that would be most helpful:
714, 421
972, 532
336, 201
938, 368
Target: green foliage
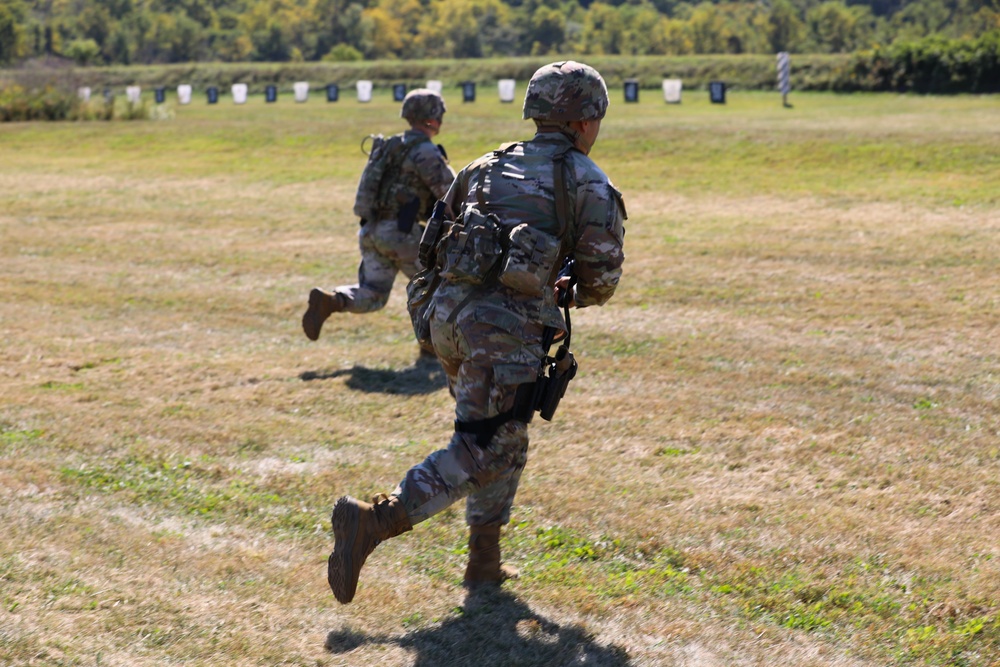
932, 65
56, 102
11, 31
123, 32
343, 53
83, 51
48, 103
194, 487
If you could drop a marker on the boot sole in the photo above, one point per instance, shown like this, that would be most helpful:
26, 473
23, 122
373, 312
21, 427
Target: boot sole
310, 321
341, 564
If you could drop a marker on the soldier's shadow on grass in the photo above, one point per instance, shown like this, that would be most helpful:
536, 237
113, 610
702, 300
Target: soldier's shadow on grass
494, 629
425, 376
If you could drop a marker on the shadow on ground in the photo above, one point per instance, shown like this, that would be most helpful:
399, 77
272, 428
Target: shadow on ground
423, 377
493, 629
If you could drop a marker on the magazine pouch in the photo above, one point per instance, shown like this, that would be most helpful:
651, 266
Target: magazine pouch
529, 260
472, 249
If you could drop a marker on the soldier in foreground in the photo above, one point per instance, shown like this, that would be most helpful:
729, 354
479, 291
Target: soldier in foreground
546, 202
405, 175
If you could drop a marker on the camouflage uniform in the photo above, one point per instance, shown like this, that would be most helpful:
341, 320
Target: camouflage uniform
385, 249
416, 174
489, 340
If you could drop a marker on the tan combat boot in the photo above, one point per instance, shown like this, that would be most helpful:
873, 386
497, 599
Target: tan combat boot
484, 566
358, 528
321, 306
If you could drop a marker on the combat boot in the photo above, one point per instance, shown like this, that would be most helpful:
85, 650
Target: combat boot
484, 566
321, 306
358, 528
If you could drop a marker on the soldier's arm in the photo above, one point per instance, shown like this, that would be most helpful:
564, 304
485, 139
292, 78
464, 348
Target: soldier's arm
599, 249
433, 169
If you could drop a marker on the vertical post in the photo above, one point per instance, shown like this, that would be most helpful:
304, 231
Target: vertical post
784, 77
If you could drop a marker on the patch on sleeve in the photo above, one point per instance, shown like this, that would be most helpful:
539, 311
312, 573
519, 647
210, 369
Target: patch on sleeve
616, 193
616, 215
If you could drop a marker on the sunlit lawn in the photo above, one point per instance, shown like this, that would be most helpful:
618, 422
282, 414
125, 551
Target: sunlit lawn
783, 446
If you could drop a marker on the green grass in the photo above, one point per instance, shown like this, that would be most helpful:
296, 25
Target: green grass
781, 446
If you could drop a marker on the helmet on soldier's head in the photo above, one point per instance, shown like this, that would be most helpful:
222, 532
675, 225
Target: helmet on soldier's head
422, 104
566, 91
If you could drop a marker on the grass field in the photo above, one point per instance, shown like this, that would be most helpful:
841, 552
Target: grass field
783, 446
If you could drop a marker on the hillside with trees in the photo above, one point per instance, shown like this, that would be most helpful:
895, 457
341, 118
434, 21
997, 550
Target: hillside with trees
105, 32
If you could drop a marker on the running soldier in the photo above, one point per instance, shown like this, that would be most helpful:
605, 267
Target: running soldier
412, 173
550, 203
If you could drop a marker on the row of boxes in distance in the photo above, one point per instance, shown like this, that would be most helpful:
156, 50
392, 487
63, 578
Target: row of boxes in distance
671, 92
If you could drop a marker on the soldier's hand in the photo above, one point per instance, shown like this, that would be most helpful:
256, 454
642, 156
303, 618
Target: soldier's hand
564, 290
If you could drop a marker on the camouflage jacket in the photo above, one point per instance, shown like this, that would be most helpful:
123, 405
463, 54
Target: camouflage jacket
521, 190
423, 177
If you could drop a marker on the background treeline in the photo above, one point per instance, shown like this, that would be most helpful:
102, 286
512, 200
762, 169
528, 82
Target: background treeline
104, 32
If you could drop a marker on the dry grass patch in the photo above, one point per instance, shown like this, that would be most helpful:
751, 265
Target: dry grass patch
782, 446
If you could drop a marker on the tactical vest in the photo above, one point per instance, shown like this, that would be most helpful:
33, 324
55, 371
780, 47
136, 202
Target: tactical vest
379, 187
480, 249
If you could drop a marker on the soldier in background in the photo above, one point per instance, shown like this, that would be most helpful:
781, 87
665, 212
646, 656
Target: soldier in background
416, 174
489, 337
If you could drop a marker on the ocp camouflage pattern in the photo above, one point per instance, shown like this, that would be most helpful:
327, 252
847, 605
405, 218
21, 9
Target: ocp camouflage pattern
422, 104
489, 339
566, 91
423, 177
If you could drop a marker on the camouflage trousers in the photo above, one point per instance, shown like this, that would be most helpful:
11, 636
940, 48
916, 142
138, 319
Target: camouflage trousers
487, 352
385, 251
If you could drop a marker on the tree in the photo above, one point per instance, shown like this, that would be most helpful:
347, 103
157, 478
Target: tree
387, 33
603, 30
785, 29
708, 29
271, 44
84, 51
836, 28
11, 31
175, 38
548, 31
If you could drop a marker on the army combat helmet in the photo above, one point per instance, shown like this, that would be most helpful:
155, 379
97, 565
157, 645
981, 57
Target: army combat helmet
566, 91
422, 104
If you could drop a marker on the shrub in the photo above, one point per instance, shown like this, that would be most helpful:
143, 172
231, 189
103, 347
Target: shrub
52, 102
84, 51
343, 53
48, 103
931, 65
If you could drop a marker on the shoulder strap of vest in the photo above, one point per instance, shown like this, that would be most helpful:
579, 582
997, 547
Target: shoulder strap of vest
561, 192
486, 171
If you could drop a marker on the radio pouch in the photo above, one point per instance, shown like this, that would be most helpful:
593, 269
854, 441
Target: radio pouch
531, 255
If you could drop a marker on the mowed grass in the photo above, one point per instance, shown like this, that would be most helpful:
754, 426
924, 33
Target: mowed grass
783, 446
